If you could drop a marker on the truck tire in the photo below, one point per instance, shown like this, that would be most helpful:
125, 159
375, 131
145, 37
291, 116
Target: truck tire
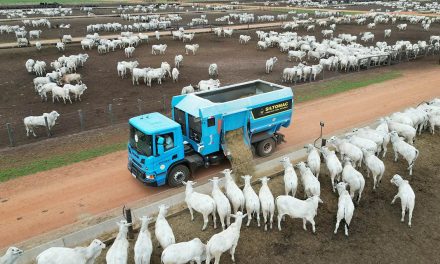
266, 147
178, 174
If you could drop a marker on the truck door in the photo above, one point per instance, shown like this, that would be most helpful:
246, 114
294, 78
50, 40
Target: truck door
211, 134
169, 155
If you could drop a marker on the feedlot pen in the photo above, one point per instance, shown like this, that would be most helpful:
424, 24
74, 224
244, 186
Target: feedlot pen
376, 234
111, 100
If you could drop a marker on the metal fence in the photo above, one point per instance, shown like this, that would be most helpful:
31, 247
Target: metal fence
370, 62
13, 131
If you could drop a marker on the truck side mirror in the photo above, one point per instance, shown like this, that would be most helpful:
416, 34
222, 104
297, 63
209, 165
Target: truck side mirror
160, 147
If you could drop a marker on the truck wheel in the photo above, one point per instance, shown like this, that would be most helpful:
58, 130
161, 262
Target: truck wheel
178, 174
266, 147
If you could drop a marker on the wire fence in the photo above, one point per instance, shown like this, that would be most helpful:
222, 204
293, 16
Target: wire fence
13, 130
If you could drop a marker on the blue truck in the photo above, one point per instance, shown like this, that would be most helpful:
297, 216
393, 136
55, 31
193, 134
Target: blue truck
164, 150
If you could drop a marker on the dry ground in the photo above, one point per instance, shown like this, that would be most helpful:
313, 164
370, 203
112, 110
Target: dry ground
237, 63
376, 234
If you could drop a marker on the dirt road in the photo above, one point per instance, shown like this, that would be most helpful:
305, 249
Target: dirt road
42, 202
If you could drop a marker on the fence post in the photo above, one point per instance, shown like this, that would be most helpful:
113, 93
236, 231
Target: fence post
323, 72
81, 119
47, 126
389, 60
139, 101
10, 135
128, 217
163, 102
110, 112
368, 63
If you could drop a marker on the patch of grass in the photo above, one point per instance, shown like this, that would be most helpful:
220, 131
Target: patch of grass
58, 161
338, 86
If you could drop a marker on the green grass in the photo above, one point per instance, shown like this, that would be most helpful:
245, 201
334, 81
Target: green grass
338, 86
58, 161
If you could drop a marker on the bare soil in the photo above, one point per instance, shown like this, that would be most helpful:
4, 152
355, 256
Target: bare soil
376, 234
237, 63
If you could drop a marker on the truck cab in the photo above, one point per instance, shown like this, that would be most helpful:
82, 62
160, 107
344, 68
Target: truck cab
164, 150
155, 143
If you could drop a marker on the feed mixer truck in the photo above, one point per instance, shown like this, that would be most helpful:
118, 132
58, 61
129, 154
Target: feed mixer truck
164, 150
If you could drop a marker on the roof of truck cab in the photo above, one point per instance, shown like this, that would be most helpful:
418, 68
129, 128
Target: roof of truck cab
153, 123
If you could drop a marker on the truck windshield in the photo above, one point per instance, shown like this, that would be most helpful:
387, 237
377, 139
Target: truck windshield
143, 144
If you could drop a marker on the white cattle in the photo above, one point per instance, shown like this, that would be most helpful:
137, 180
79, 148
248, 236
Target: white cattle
139, 73
31, 122
11, 256
178, 59
34, 33
270, 63
175, 74
406, 195
193, 48
30, 65
213, 70
77, 89
61, 46
157, 74
129, 51
244, 39
78, 255
298, 55
206, 85
402, 27
160, 48
59, 92
187, 89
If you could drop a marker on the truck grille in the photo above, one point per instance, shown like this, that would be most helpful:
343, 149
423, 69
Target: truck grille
139, 174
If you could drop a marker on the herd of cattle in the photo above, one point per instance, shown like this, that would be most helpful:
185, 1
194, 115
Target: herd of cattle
364, 147
313, 53
333, 52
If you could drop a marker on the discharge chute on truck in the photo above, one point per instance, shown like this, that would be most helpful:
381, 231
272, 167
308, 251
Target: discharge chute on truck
167, 151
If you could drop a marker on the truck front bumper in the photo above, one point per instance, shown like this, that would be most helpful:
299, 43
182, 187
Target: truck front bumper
137, 173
